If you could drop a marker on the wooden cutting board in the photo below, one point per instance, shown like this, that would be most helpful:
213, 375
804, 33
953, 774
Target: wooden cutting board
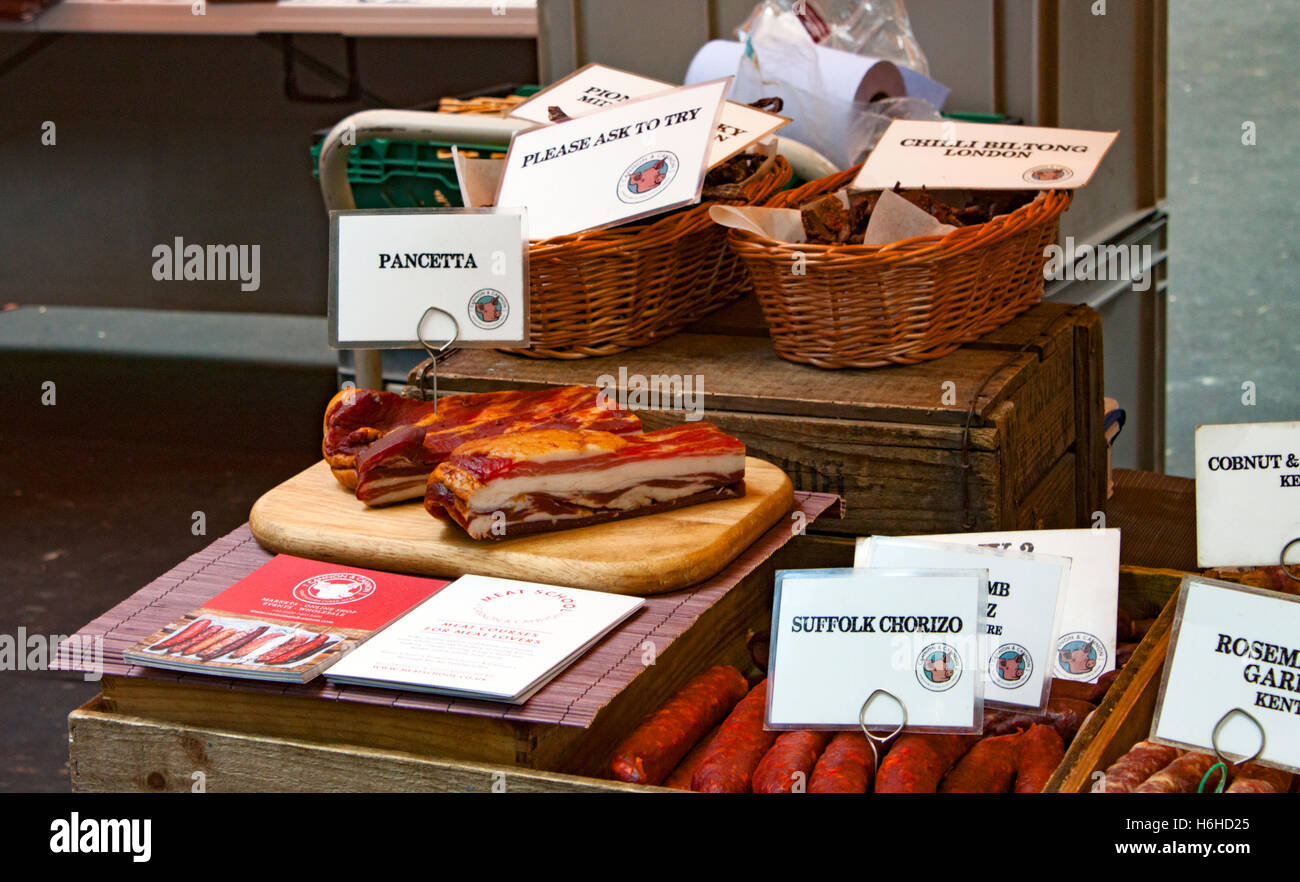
311, 515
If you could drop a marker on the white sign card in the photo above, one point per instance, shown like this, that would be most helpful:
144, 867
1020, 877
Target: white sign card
642, 157
1247, 493
388, 266
979, 156
1085, 642
1021, 613
839, 635
595, 87
1233, 647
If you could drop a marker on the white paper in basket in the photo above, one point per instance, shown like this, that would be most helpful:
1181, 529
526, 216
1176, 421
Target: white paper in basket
894, 219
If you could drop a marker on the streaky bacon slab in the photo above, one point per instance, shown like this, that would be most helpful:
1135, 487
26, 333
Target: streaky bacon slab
384, 445
530, 482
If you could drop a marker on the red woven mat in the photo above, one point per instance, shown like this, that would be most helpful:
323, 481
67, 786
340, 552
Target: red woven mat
571, 699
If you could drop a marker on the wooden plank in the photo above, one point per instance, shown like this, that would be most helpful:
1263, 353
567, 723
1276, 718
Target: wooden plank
119, 753
1050, 505
888, 487
1089, 416
311, 516
742, 374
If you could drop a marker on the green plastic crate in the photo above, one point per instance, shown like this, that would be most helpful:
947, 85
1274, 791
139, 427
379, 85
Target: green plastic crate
404, 174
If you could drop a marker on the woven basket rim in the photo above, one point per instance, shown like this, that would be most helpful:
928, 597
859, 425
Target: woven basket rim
1051, 204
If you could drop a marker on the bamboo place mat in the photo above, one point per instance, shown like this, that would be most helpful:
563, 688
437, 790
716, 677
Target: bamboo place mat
571, 699
1157, 517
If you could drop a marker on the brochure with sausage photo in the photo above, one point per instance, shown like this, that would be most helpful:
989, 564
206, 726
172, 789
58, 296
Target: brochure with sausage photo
486, 638
288, 620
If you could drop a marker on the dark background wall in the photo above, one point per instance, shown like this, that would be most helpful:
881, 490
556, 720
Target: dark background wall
158, 137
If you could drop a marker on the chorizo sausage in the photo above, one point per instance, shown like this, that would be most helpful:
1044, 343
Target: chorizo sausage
317, 644
656, 746
1129, 771
729, 763
1065, 715
182, 647
988, 767
681, 777
791, 755
234, 641
1252, 778
1182, 775
846, 766
296, 640
917, 763
184, 635
1041, 751
211, 640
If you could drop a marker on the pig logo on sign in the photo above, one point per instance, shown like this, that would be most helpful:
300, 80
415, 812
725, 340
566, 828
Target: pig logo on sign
488, 308
1011, 664
646, 177
938, 668
1080, 656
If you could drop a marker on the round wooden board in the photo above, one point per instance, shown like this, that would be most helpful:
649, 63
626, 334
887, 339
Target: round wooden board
311, 515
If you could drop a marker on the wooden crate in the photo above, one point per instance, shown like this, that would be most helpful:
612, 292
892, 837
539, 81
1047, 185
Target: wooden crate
157, 739
1005, 433
1124, 717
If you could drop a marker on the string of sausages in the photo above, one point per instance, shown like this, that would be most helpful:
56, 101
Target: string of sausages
709, 737
1158, 768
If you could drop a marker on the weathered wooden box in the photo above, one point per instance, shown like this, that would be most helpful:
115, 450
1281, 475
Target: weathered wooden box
1005, 433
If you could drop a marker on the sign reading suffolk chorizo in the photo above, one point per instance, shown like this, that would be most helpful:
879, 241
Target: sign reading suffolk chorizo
840, 635
1247, 493
979, 156
1234, 656
641, 157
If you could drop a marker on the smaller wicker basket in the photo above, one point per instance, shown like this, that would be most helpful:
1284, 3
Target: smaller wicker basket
606, 291
864, 306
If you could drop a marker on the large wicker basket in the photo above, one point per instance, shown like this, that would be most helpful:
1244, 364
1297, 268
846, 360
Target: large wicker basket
841, 306
606, 291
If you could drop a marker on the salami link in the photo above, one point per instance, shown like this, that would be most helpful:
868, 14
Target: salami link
917, 763
1252, 778
1089, 692
253, 646
790, 761
681, 777
657, 745
182, 636
1183, 775
232, 643
318, 644
212, 640
1129, 771
1041, 751
728, 765
846, 766
180, 648
298, 640
1065, 715
988, 767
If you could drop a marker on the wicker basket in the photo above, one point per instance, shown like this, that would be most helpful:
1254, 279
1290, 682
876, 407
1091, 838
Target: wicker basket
874, 305
606, 291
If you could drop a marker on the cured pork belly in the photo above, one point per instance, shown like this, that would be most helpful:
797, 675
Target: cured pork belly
532, 482
383, 445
